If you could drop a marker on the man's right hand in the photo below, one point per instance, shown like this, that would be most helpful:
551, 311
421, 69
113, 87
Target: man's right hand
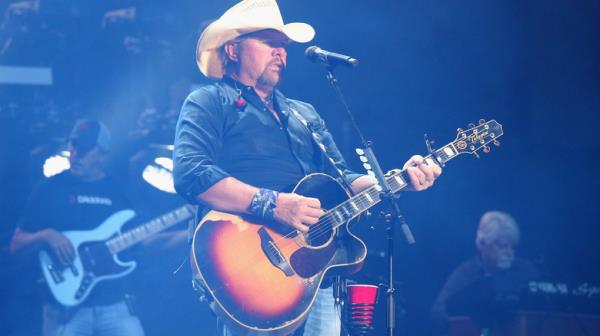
59, 245
297, 211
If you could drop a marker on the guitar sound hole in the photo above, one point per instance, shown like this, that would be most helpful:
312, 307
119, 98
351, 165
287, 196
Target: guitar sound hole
318, 234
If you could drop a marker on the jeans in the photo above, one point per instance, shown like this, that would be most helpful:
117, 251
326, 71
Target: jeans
110, 320
323, 318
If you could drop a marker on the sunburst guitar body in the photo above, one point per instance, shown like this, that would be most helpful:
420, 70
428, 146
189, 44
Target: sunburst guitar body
264, 278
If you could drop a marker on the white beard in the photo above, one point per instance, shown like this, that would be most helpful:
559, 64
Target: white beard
504, 262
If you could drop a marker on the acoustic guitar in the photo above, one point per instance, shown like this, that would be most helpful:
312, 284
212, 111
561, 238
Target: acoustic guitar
262, 278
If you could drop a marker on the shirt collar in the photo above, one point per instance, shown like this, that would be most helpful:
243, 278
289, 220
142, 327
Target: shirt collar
249, 94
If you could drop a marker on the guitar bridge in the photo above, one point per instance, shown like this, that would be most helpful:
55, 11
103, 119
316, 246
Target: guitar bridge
86, 282
273, 253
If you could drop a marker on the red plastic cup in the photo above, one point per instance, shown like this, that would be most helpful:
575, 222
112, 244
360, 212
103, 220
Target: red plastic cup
359, 294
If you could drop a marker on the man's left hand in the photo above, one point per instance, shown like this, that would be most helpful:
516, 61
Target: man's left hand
422, 174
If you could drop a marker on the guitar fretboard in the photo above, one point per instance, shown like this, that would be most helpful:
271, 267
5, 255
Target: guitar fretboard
397, 180
134, 236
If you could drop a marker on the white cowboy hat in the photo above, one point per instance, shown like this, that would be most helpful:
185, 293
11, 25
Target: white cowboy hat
246, 17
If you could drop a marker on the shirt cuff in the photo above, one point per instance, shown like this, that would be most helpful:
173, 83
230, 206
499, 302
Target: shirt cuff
203, 181
353, 176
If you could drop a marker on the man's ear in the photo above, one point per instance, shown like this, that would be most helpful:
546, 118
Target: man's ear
232, 51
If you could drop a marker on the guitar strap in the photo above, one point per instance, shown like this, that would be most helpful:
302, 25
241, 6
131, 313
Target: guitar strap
324, 150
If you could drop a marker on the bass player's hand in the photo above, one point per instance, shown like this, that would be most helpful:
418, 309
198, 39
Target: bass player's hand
59, 245
297, 211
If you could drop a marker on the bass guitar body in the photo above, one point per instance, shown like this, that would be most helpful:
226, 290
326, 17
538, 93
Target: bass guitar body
263, 277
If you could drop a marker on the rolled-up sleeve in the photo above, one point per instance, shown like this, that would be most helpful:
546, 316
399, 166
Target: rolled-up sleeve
198, 140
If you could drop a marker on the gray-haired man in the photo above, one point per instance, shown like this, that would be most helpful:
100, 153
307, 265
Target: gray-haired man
488, 283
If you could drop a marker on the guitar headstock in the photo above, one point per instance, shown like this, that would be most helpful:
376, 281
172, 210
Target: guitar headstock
478, 137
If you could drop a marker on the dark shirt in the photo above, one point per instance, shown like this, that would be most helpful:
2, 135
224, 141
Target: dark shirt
225, 129
65, 203
472, 291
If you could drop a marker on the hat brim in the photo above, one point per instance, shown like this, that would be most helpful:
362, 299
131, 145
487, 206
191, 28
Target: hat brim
215, 35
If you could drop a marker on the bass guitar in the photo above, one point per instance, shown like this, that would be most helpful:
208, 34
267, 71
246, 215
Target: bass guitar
96, 254
262, 278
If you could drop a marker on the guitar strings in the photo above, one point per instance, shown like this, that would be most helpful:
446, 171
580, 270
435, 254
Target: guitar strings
328, 222
323, 227
325, 224
361, 200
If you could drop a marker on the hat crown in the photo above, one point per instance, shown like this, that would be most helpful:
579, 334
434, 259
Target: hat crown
254, 12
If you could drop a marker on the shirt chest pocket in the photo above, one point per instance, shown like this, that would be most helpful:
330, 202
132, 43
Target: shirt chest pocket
254, 133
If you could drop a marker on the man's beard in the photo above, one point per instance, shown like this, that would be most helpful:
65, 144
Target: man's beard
504, 262
269, 78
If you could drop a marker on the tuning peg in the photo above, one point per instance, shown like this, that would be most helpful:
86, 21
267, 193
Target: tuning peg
496, 143
459, 130
486, 149
471, 125
481, 121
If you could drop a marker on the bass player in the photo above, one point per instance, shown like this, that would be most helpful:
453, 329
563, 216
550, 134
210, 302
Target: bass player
79, 198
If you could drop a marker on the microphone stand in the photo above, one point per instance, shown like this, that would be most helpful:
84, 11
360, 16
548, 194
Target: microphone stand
393, 216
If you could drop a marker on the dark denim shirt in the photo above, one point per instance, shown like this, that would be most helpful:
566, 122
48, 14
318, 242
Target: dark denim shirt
225, 129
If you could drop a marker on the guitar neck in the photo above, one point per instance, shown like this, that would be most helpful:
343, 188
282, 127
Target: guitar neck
397, 180
136, 235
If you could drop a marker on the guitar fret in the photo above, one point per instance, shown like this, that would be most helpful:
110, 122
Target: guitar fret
400, 182
339, 216
448, 152
374, 194
139, 233
110, 244
346, 212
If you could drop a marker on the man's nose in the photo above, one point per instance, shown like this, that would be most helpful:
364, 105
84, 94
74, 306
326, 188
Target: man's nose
280, 51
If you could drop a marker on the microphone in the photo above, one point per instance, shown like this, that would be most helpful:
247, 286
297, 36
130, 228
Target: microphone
329, 58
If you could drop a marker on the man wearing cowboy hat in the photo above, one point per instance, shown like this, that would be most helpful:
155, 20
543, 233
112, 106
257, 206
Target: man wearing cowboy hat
240, 140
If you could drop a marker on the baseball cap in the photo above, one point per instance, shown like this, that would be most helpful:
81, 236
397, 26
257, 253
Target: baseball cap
88, 133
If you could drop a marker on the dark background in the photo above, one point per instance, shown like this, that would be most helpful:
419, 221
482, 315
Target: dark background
426, 67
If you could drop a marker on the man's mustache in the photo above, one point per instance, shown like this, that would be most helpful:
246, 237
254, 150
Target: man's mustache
279, 62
